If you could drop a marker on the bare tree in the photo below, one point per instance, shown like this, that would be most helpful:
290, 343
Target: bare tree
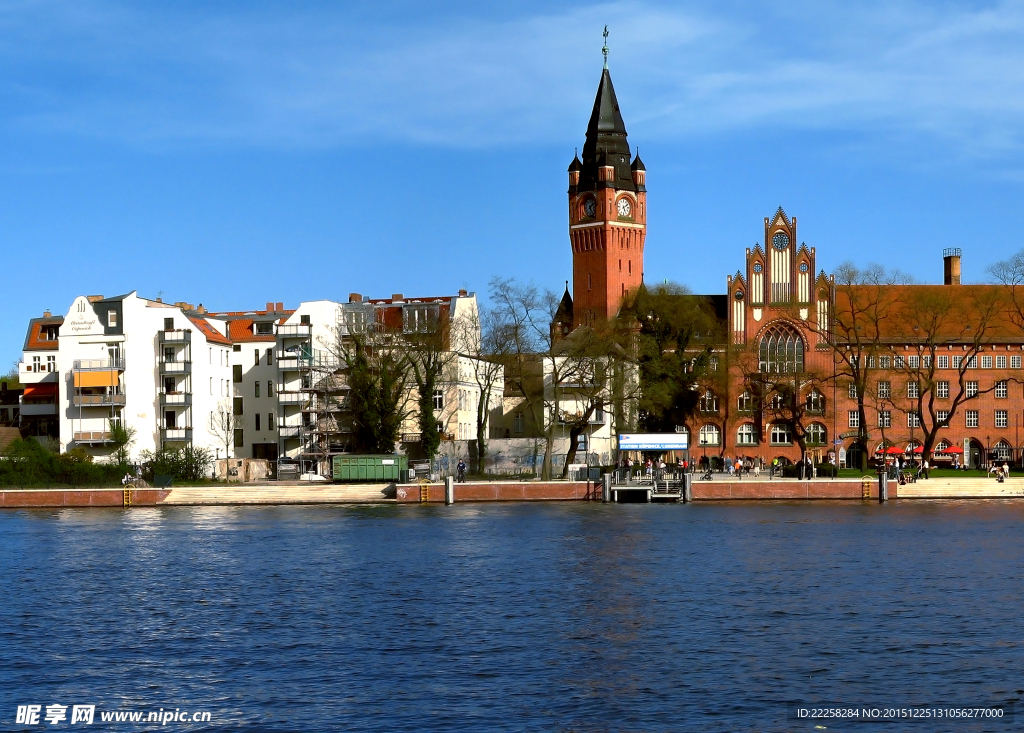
476, 337
222, 426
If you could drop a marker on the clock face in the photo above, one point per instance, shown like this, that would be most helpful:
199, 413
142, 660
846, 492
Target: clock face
623, 207
780, 240
590, 207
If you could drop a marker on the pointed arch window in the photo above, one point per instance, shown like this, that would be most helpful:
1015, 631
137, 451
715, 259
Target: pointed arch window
781, 350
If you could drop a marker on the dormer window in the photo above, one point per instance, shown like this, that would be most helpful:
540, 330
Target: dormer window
264, 329
111, 319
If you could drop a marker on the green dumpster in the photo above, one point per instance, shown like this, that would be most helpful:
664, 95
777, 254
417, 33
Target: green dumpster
354, 468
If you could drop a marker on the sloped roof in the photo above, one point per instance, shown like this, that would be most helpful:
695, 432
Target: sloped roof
212, 334
33, 342
241, 331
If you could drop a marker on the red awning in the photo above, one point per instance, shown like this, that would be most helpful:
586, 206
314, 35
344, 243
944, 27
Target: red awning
47, 389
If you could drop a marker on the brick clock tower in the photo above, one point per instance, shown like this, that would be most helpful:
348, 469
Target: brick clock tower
607, 217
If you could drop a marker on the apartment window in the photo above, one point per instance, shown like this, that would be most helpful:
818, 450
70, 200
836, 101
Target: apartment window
815, 402
971, 389
239, 438
1014, 362
1002, 390
270, 357
439, 401
957, 361
236, 347
897, 362
1002, 418
270, 388
1000, 362
914, 362
746, 435
972, 418
1003, 451
169, 354
257, 357
853, 419
236, 372
37, 364
942, 418
257, 421
943, 362
884, 390
972, 363
781, 434
264, 329
853, 391
710, 435
237, 405
111, 319
518, 423
51, 363
913, 420
884, 362
304, 320
420, 318
745, 403
871, 362
913, 390
986, 362
168, 324
816, 434
257, 386
271, 422
942, 390
884, 419
926, 361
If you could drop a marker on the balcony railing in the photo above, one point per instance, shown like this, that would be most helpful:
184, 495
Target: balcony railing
177, 435
97, 400
85, 365
175, 367
176, 336
183, 399
286, 397
95, 436
289, 431
295, 329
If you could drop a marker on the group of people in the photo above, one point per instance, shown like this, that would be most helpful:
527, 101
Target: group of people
657, 470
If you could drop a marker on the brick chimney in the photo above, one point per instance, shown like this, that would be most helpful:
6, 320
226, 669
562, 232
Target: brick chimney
355, 298
397, 298
951, 266
47, 314
463, 293
270, 307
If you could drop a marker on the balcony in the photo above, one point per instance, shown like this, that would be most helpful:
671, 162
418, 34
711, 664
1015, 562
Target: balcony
175, 399
289, 431
176, 435
176, 336
98, 400
38, 409
175, 367
93, 437
286, 397
299, 330
87, 365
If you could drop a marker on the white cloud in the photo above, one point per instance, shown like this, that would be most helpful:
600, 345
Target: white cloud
322, 77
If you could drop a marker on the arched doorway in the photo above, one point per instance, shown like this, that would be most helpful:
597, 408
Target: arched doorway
854, 455
975, 455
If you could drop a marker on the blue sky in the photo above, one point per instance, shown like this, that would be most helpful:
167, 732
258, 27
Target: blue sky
232, 153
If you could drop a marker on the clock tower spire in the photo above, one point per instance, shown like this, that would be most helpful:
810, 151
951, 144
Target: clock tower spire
607, 212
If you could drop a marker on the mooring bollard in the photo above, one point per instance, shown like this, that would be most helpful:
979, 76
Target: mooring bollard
449, 490
687, 487
883, 487
606, 488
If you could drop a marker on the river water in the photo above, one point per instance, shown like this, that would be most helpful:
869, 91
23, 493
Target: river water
513, 617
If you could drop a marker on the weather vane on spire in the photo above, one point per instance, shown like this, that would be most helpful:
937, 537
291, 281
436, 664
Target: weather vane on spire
604, 50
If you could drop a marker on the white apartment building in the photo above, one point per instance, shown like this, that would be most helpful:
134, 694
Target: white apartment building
132, 361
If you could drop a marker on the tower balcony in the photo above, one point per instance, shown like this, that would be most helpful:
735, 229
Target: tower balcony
92, 365
93, 437
176, 336
295, 330
176, 435
175, 367
175, 399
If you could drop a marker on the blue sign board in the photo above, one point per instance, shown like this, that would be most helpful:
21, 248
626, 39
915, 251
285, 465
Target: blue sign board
654, 441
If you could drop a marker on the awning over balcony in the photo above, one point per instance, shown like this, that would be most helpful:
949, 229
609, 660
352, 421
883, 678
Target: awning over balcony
41, 390
106, 378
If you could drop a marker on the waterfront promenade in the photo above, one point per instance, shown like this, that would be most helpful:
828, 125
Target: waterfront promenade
719, 489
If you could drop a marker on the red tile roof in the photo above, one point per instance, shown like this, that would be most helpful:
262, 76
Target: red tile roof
212, 334
33, 342
241, 331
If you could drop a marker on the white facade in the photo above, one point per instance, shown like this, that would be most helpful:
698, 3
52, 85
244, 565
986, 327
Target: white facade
141, 363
